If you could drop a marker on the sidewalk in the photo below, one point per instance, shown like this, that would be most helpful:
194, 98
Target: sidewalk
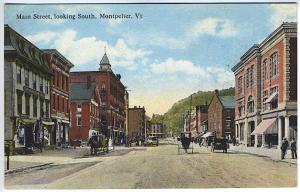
60, 156
274, 154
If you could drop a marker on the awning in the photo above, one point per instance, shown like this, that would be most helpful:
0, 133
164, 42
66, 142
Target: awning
266, 126
208, 134
273, 95
47, 123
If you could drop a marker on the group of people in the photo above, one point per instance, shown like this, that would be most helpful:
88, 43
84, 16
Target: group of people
284, 148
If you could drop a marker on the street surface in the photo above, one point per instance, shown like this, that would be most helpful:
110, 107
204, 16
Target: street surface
159, 167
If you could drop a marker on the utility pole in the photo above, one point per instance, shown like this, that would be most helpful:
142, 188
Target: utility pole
190, 113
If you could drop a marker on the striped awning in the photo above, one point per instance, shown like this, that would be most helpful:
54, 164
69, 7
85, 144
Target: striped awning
267, 126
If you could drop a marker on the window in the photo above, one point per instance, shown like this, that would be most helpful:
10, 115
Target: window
250, 105
78, 108
41, 108
247, 77
19, 102
57, 79
27, 104
274, 64
78, 121
34, 106
265, 97
240, 85
58, 101
19, 74
274, 102
265, 69
251, 76
41, 85
26, 77
47, 109
62, 82
241, 132
34, 81
46, 87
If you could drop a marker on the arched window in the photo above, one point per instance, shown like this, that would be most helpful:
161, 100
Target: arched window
265, 65
274, 64
250, 105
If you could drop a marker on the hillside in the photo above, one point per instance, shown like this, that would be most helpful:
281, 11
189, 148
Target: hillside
173, 119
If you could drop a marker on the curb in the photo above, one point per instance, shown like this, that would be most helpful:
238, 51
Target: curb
254, 154
25, 168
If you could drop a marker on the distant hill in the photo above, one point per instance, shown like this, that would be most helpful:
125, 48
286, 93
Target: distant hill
173, 119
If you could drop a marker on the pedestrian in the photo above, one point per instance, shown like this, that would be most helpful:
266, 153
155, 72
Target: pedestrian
233, 140
294, 149
92, 143
284, 147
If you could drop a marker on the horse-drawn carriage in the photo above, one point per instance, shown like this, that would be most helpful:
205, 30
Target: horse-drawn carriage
98, 143
219, 144
186, 142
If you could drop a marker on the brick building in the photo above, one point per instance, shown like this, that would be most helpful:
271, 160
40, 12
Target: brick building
221, 115
26, 92
201, 118
85, 111
60, 98
266, 89
136, 122
112, 94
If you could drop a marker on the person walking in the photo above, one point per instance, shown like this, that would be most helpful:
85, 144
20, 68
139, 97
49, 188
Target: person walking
294, 149
92, 143
284, 147
233, 140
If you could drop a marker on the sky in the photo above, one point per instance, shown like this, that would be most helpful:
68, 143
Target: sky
170, 52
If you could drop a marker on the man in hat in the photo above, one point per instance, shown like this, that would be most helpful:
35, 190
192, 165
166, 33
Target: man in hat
284, 147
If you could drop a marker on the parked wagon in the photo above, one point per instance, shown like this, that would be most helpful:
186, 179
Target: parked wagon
219, 144
185, 142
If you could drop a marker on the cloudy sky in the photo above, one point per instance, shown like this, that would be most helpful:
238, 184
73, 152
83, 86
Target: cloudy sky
173, 51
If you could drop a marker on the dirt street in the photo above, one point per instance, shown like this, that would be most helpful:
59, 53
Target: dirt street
162, 167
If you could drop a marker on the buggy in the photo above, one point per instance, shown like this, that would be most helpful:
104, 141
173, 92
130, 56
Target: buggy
100, 144
219, 144
185, 142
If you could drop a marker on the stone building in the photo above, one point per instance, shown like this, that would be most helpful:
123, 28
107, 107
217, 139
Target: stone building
85, 112
27, 94
60, 97
266, 89
136, 122
112, 94
221, 116
156, 129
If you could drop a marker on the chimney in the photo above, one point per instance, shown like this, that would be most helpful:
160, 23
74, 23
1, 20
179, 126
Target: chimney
216, 91
88, 82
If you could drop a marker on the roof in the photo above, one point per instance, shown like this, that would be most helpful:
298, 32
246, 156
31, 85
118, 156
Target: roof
104, 60
81, 91
55, 51
227, 101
